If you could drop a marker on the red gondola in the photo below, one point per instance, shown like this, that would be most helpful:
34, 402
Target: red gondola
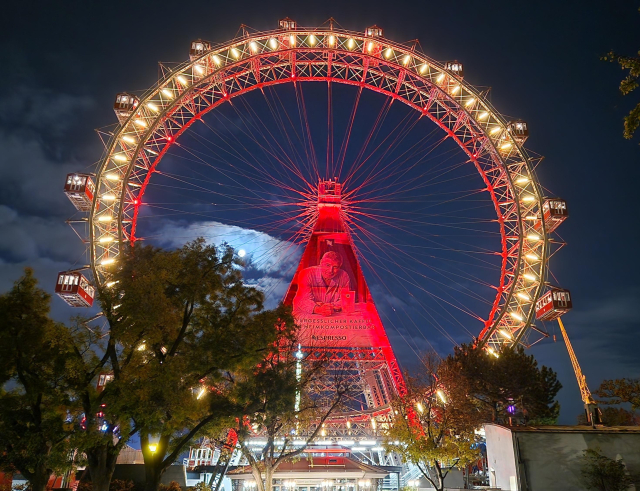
554, 212
80, 189
124, 106
75, 289
198, 48
553, 304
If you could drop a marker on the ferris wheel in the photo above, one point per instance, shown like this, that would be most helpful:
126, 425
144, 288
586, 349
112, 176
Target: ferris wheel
448, 219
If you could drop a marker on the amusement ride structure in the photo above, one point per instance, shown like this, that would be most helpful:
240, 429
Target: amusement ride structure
336, 209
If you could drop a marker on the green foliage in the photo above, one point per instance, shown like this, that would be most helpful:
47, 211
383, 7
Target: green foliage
33, 401
201, 486
604, 474
187, 323
513, 377
628, 85
620, 391
436, 421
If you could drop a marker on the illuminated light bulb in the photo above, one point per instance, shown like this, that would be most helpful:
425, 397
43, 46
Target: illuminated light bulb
419, 407
152, 152
167, 93
182, 80
216, 59
406, 60
423, 68
348, 424
455, 90
106, 238
351, 43
201, 393
108, 197
369, 46
109, 284
533, 237
440, 78
373, 423
332, 40
104, 218
106, 261
323, 432
528, 197
531, 217
273, 44
505, 146
495, 129
441, 396
523, 296
522, 180
141, 122
506, 333
119, 157
292, 40
516, 316
235, 53
528, 276
470, 102
532, 257
153, 107
483, 116
312, 40
491, 351
112, 177
153, 447
253, 46
388, 53
128, 139
199, 69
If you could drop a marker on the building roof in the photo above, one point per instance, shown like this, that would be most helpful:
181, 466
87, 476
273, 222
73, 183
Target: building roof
320, 468
570, 429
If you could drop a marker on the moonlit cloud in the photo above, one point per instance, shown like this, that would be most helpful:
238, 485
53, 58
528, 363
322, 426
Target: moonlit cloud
269, 262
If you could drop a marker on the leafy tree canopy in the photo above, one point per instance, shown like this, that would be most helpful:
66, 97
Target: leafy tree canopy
514, 378
34, 437
620, 391
628, 85
435, 421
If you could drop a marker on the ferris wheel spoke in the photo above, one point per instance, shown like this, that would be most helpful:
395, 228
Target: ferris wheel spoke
403, 255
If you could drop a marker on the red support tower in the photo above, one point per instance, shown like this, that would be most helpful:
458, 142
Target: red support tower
338, 320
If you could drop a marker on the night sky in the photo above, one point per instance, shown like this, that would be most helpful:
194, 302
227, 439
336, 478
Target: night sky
63, 62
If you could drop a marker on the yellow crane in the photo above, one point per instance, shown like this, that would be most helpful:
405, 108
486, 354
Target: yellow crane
594, 416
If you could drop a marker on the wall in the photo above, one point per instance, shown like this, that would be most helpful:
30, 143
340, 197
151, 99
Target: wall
552, 461
501, 458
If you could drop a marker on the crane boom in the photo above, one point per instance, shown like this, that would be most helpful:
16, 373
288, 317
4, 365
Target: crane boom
590, 405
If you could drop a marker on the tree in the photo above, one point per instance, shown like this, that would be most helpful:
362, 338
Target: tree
604, 474
513, 378
102, 429
628, 85
435, 421
188, 323
281, 404
620, 391
614, 416
34, 437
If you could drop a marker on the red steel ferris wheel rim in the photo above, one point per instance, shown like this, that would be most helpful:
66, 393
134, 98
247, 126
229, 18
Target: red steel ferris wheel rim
268, 59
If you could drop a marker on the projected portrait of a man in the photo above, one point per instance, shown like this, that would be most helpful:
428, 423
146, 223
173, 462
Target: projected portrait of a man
320, 286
